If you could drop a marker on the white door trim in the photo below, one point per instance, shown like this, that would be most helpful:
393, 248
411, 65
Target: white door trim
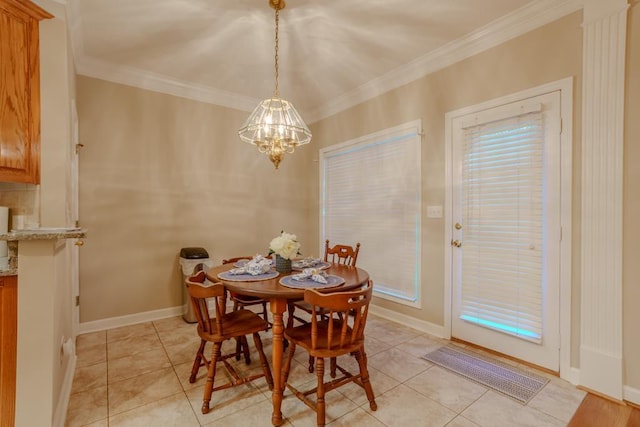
602, 326
75, 250
565, 86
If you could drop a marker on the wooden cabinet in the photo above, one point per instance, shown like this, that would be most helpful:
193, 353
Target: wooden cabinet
8, 343
20, 91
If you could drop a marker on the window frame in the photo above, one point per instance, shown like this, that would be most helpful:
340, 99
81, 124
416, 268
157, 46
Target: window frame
412, 129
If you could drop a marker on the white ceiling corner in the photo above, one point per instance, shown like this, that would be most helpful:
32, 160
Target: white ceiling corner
325, 46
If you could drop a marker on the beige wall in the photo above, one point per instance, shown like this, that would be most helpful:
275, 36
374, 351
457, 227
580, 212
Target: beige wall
547, 54
159, 173
57, 79
631, 213
44, 270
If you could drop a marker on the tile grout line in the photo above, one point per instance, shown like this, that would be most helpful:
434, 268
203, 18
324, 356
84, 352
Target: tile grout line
398, 346
173, 367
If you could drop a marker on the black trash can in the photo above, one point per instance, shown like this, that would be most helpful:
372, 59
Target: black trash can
191, 260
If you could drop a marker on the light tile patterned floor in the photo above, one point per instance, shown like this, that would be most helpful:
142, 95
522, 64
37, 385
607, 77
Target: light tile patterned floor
138, 376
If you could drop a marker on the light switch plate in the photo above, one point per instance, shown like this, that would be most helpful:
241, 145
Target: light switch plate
434, 211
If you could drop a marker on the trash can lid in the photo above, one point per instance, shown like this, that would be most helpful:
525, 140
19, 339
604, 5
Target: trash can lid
194, 253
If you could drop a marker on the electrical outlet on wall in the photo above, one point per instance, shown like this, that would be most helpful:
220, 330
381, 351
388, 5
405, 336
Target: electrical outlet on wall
67, 348
434, 211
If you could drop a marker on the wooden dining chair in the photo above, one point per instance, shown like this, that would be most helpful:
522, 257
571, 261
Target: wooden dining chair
341, 254
338, 254
224, 326
242, 301
336, 335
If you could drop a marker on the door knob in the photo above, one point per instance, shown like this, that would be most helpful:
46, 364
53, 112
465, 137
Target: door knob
456, 243
79, 243
458, 226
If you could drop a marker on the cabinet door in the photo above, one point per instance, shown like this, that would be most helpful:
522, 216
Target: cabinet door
8, 342
19, 92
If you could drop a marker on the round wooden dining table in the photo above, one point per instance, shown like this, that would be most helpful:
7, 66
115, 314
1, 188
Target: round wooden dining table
278, 295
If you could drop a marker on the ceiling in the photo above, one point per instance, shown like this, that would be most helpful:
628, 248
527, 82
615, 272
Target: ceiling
333, 53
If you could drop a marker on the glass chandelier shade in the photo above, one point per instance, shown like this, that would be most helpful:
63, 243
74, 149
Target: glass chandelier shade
274, 126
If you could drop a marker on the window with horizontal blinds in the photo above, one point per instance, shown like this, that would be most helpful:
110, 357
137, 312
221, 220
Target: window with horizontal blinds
370, 193
502, 213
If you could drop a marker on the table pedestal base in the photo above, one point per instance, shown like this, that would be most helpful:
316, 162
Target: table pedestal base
277, 307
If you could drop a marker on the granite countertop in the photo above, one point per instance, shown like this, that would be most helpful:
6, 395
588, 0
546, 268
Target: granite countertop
44, 233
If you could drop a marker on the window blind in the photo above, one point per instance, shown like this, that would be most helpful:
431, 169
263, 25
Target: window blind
502, 213
371, 194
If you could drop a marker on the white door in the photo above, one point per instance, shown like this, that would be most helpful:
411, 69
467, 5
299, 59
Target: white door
506, 229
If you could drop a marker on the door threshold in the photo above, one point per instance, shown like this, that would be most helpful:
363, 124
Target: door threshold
506, 356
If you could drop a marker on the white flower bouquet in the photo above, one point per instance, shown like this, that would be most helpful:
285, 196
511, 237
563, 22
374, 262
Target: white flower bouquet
285, 245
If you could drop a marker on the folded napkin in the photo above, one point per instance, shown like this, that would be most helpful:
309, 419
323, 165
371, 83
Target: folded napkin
311, 273
255, 266
307, 262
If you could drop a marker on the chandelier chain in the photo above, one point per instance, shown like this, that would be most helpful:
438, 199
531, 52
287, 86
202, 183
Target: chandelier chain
276, 90
274, 126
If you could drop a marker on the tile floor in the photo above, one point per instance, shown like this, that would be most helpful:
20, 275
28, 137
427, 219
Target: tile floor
138, 376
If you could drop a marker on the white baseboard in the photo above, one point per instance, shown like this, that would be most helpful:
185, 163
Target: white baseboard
60, 414
148, 316
632, 394
131, 319
421, 325
601, 371
572, 375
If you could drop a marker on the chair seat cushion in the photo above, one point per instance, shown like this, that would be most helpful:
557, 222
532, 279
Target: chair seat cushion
234, 324
301, 335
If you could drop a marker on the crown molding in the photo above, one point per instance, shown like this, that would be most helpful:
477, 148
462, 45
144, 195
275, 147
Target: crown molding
159, 83
510, 26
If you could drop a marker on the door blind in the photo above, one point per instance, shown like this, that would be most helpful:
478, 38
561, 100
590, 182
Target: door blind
503, 220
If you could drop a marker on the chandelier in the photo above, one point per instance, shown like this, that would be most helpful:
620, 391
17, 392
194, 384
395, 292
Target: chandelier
274, 126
